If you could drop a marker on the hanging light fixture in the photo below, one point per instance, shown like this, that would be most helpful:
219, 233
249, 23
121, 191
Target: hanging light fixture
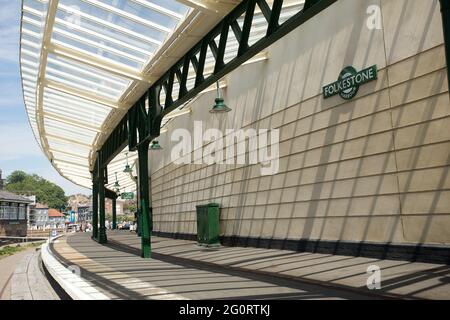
155, 145
117, 185
127, 167
219, 106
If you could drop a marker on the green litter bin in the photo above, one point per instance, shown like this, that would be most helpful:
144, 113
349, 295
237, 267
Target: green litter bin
208, 225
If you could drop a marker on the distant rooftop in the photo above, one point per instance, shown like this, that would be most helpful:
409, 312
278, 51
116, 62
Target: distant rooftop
41, 206
53, 213
9, 196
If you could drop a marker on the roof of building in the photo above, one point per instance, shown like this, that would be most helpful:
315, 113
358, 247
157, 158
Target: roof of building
53, 213
9, 196
40, 206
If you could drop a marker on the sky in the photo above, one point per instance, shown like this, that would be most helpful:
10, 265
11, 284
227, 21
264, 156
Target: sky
18, 147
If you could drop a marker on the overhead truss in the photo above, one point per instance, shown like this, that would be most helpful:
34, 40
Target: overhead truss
143, 120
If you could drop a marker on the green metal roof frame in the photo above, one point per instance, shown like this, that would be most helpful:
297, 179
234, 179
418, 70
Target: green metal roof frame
143, 120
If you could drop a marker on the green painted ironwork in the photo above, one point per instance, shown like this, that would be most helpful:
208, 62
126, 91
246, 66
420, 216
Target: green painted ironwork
101, 198
114, 214
146, 224
95, 211
141, 125
445, 10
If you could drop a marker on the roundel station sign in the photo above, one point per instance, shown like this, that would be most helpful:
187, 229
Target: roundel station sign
349, 81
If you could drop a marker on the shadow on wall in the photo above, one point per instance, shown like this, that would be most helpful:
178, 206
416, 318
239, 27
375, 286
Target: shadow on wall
340, 203
393, 223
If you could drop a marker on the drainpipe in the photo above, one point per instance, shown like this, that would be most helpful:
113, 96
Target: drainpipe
445, 10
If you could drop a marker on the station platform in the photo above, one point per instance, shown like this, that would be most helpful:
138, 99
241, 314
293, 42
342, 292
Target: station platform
180, 269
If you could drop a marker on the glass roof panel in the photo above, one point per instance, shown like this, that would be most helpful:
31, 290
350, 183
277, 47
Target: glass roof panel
130, 21
96, 49
95, 74
106, 28
90, 117
37, 5
65, 157
71, 136
105, 42
66, 147
75, 104
92, 50
150, 11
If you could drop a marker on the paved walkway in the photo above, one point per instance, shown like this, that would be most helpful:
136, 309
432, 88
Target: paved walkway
117, 271
7, 267
182, 270
21, 278
400, 279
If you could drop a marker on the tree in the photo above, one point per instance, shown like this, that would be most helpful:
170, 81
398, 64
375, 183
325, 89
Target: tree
130, 206
46, 192
16, 177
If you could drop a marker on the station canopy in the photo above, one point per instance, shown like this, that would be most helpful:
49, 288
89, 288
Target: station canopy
84, 63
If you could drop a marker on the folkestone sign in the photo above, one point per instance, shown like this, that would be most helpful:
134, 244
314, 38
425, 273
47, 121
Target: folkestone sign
349, 82
127, 196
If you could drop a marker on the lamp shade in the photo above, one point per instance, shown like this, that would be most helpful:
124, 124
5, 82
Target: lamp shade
220, 106
127, 169
155, 145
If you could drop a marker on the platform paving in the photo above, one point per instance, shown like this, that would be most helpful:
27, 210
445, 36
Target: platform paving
117, 271
182, 270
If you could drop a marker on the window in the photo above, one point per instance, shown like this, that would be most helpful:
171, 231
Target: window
9, 211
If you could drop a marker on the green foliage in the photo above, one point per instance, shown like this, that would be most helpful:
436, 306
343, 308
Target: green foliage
124, 218
46, 192
16, 177
13, 249
130, 207
9, 251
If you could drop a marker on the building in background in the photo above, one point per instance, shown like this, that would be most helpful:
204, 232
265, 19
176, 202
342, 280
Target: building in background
38, 217
84, 214
13, 213
56, 219
30, 213
119, 206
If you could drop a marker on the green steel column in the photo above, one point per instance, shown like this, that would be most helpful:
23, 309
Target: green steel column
114, 214
94, 211
101, 185
139, 222
445, 10
145, 218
